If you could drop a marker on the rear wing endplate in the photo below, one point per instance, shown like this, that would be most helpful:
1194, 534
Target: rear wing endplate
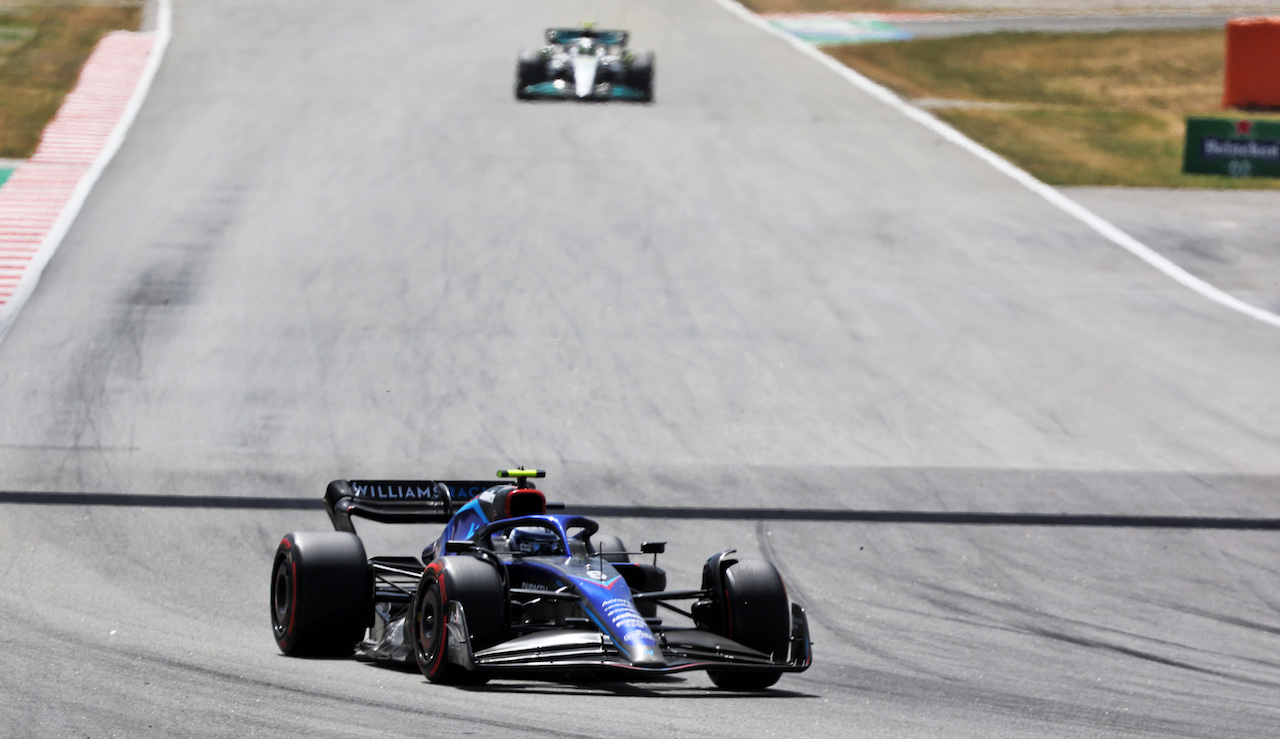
398, 501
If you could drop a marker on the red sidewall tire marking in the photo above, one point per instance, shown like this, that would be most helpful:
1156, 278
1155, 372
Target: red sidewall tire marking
293, 593
437, 665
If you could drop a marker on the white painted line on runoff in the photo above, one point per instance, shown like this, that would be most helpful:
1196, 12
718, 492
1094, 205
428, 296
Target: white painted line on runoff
1088, 217
46, 207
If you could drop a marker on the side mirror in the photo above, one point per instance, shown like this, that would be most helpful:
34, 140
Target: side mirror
458, 546
653, 547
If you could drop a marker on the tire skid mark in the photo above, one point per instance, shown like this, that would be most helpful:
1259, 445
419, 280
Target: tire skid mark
133, 656
834, 625
988, 620
965, 697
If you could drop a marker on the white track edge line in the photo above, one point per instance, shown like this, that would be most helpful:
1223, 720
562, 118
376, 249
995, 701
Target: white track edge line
1104, 227
12, 307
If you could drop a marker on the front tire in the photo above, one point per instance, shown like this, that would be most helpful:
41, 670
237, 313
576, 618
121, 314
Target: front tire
531, 68
640, 74
476, 585
611, 549
321, 594
757, 615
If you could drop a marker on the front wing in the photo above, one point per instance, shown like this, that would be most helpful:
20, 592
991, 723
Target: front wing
578, 650
560, 90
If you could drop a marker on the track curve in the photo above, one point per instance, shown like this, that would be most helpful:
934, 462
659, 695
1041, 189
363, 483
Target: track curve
335, 246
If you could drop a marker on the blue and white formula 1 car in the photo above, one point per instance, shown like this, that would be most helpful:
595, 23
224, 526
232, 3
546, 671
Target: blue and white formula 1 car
508, 590
585, 64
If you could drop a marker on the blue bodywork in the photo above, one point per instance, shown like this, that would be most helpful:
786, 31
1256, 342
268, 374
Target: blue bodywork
463, 525
604, 595
567, 607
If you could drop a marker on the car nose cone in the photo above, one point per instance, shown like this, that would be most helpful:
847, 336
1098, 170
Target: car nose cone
648, 657
584, 74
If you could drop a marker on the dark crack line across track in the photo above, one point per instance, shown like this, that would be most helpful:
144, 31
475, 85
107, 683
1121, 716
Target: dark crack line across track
127, 500
934, 517
833, 515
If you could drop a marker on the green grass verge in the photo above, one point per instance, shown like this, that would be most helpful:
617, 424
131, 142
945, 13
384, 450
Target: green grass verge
42, 48
1086, 109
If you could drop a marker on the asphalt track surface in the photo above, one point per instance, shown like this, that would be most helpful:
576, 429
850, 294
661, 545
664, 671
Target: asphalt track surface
334, 246
1228, 238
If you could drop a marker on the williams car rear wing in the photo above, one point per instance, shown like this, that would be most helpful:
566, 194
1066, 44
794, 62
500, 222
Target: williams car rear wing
398, 501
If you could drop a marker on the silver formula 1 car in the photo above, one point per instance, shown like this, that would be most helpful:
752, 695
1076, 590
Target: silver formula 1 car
585, 64
508, 590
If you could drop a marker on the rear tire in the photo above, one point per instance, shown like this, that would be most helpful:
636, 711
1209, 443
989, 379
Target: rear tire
476, 585
321, 594
531, 68
640, 74
757, 615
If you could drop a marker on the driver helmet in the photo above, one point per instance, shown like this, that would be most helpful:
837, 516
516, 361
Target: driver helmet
535, 540
585, 46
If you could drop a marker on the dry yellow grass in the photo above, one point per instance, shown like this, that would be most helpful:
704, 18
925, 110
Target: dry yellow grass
46, 45
1090, 109
1164, 70
820, 6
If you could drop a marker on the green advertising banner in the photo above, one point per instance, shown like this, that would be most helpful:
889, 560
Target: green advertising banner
1239, 148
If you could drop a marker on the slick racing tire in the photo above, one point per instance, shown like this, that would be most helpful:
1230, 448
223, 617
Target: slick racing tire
611, 548
477, 586
640, 74
757, 615
531, 68
321, 594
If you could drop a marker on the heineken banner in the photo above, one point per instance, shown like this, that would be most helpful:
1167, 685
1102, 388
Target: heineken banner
1239, 148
